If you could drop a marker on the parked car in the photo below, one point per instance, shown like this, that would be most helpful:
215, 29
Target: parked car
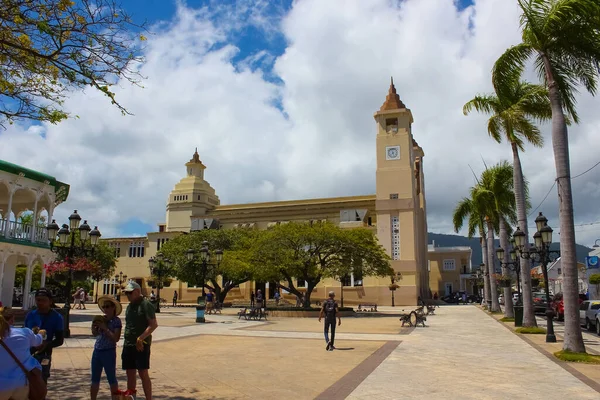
539, 301
588, 311
559, 307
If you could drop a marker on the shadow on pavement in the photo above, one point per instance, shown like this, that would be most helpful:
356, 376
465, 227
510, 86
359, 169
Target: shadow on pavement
73, 384
344, 348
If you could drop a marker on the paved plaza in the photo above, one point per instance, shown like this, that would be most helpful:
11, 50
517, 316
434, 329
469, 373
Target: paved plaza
462, 353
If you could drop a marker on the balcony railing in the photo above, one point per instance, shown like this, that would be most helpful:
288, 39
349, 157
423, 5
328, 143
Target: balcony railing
23, 233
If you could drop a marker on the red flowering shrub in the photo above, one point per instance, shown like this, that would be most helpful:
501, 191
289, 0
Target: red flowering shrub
79, 264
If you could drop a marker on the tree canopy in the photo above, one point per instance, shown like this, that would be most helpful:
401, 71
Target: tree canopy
48, 47
300, 251
234, 269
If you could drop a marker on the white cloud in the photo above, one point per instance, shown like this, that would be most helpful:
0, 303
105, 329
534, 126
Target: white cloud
335, 73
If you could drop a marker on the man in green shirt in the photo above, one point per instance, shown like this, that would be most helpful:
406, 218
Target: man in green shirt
140, 322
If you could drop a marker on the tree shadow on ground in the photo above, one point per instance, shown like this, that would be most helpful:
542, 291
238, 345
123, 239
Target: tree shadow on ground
73, 384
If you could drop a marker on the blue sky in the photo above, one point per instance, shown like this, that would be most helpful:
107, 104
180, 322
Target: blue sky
250, 40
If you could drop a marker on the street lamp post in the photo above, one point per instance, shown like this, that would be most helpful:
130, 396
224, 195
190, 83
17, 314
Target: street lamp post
160, 268
393, 286
540, 252
514, 265
67, 250
120, 278
205, 262
479, 277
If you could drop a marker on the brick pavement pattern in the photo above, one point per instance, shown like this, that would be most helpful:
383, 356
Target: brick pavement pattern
463, 353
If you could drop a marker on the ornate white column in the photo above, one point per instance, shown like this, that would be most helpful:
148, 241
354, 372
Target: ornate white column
11, 192
35, 218
3, 257
30, 260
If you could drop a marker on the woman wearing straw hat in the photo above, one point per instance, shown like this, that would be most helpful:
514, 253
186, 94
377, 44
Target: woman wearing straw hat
107, 329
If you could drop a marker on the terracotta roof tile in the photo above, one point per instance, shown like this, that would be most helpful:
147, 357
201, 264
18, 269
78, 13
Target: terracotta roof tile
392, 100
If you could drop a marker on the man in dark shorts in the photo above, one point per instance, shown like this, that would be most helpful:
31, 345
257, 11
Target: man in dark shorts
330, 311
140, 322
48, 319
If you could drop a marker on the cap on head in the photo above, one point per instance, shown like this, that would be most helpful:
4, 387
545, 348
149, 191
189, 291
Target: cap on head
332, 294
43, 292
131, 286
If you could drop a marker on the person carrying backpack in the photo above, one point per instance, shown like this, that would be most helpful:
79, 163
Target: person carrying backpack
330, 311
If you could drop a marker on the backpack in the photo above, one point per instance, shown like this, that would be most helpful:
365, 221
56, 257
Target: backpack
330, 308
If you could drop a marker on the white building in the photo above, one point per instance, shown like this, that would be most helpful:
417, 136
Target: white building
23, 190
593, 267
555, 276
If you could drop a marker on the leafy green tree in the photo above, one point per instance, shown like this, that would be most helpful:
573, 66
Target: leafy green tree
467, 209
595, 280
300, 251
563, 38
234, 269
494, 195
21, 276
48, 47
102, 265
515, 108
26, 218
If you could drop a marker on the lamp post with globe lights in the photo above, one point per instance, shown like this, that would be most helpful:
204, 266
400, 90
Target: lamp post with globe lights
120, 279
67, 249
204, 262
514, 265
540, 252
160, 268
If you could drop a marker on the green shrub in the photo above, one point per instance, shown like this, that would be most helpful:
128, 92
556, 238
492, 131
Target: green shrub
577, 357
531, 330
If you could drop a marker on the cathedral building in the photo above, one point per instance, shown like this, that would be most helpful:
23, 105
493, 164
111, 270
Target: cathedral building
397, 213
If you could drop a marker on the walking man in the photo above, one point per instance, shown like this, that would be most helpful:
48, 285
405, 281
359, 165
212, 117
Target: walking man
330, 311
252, 298
175, 298
44, 317
140, 322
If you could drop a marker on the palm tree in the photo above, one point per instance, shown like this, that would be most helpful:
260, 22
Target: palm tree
563, 37
514, 110
466, 209
495, 196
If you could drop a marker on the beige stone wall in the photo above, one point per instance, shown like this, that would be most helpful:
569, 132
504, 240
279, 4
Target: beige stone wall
438, 277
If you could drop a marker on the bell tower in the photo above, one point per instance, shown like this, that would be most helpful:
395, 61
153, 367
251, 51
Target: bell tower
192, 196
400, 222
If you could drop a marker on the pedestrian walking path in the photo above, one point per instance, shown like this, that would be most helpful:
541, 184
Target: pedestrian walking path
466, 354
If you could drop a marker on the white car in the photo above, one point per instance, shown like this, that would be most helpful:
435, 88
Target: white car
588, 315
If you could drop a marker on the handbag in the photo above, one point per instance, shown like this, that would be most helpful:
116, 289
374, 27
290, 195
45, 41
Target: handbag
37, 386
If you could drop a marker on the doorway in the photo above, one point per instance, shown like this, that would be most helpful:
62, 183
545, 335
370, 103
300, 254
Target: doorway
448, 289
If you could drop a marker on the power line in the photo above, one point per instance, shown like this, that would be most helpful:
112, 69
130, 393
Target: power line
552, 187
585, 172
542, 202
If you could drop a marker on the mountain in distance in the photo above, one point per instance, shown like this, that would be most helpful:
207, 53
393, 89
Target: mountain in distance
443, 240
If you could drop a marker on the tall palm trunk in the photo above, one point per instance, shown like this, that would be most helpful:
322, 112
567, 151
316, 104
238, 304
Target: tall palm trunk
486, 278
573, 340
508, 303
527, 294
491, 267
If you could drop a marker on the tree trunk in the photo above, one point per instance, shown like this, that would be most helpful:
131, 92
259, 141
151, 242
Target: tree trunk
492, 267
508, 303
573, 340
526, 294
486, 277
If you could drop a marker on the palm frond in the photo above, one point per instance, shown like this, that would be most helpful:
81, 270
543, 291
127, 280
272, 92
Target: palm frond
508, 69
483, 103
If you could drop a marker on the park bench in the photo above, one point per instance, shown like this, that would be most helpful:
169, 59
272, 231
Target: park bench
215, 308
256, 313
242, 312
414, 318
372, 307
